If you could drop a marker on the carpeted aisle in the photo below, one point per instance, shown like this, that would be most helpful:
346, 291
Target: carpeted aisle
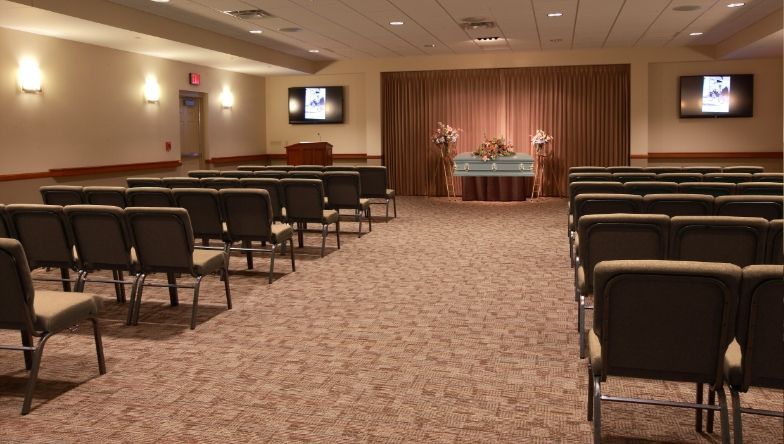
454, 322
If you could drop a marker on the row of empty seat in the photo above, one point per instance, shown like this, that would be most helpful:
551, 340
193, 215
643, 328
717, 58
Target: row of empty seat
698, 322
704, 169
677, 177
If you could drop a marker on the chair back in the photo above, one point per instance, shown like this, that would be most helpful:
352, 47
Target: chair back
271, 174
251, 168
343, 189
149, 197
605, 237
272, 186
305, 174
766, 188
181, 182
373, 181
577, 188
587, 169
766, 207
309, 168
145, 182
204, 208
203, 173
643, 188
62, 195
667, 320
5, 229
735, 240
114, 196
163, 239
45, 234
679, 177
304, 199
591, 177
339, 168
16, 288
219, 183
712, 188
767, 177
236, 174
285, 168
248, 213
598, 203
633, 176
743, 169
727, 177
663, 169
702, 169
759, 326
625, 169
101, 235
774, 250
679, 204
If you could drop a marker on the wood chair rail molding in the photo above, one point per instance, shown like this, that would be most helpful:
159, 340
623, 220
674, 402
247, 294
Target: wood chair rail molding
712, 155
282, 156
83, 171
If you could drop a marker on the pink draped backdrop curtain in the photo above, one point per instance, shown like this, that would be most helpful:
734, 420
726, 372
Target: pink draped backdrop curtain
586, 109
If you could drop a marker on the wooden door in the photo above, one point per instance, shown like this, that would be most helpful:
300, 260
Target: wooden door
191, 134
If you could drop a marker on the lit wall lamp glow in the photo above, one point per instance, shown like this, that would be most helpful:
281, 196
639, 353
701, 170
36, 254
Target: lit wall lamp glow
227, 98
152, 91
29, 76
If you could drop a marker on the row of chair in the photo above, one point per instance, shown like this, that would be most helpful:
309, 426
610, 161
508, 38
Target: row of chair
741, 241
138, 241
677, 177
668, 169
704, 323
212, 173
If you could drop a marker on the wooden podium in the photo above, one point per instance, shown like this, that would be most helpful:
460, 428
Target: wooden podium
309, 153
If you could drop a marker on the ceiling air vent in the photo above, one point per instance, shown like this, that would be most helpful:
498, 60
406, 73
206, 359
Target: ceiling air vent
478, 25
249, 14
487, 39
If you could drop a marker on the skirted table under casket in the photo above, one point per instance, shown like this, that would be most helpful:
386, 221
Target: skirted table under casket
505, 178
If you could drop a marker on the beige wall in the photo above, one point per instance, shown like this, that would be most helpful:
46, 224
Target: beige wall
669, 133
651, 116
92, 111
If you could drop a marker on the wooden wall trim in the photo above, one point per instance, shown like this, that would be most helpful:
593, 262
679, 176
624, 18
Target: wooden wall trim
83, 171
282, 156
237, 159
712, 155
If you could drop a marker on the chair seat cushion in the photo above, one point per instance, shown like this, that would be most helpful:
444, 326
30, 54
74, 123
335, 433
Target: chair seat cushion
390, 193
329, 217
733, 370
208, 261
281, 233
56, 310
364, 203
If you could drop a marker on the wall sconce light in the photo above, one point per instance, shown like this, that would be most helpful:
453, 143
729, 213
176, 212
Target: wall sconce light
152, 92
227, 98
29, 76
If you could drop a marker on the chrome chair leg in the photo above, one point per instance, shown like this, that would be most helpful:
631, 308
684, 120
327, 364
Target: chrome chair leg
272, 262
293, 265
195, 306
39, 351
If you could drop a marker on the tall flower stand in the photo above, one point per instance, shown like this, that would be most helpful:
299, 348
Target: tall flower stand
542, 155
447, 168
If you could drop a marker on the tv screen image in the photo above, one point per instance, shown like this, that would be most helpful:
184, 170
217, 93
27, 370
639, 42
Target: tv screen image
725, 95
316, 105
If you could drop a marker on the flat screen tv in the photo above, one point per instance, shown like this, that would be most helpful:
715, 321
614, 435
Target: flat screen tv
718, 95
316, 104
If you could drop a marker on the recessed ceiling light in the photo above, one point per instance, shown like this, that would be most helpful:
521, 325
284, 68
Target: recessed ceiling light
735, 5
487, 39
686, 8
397, 23
256, 31
695, 33
555, 14
430, 45
314, 51
161, 1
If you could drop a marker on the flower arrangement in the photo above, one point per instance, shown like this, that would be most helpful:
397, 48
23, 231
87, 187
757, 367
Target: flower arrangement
445, 134
540, 138
493, 148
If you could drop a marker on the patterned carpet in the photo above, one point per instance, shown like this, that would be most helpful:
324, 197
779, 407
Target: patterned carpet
454, 322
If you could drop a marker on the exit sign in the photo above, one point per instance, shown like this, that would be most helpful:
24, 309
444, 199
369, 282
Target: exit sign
194, 78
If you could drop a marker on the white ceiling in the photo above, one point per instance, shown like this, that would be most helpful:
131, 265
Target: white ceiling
358, 29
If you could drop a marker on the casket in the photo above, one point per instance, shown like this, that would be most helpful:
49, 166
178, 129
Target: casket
519, 165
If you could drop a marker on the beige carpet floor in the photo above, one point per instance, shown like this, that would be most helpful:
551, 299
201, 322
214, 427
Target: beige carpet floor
454, 322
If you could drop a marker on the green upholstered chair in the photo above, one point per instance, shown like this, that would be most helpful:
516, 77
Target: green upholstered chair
625, 169
47, 239
643, 188
606, 237
643, 311
633, 176
39, 314
702, 169
114, 196
160, 197
591, 176
727, 177
181, 182
679, 177
375, 185
587, 169
712, 188
679, 204
219, 183
204, 209
756, 357
163, 239
734, 240
249, 218
305, 204
768, 177
62, 195
136, 182
299, 173
271, 174
309, 168
663, 169
339, 168
273, 188
751, 169
578, 187
758, 188
774, 250
252, 167
236, 174
603, 203
203, 173
766, 207
344, 192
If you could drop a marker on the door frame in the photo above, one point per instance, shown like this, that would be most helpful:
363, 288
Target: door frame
183, 94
